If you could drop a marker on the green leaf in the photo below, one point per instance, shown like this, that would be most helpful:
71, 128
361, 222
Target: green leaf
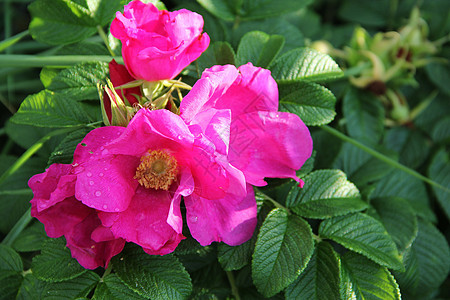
361, 167
362, 279
440, 133
274, 26
364, 115
259, 48
112, 288
365, 235
326, 194
439, 171
427, 263
9, 259
320, 279
401, 185
235, 257
218, 8
219, 53
49, 110
55, 263
10, 282
411, 145
283, 248
439, 74
31, 238
155, 277
74, 288
259, 9
31, 288
58, 22
399, 219
63, 153
305, 64
80, 81
313, 103
365, 12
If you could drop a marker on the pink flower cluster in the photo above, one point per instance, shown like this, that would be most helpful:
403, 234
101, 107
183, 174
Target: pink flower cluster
127, 183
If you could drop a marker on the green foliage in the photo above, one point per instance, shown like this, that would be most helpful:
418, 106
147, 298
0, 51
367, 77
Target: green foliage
305, 64
439, 171
259, 48
219, 53
55, 263
283, 249
156, 277
327, 193
365, 235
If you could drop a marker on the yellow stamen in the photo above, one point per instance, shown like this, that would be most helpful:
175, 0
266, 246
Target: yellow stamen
158, 170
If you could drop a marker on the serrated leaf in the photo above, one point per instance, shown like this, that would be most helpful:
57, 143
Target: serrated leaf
361, 167
113, 288
64, 22
364, 115
74, 288
439, 171
313, 103
365, 235
411, 146
10, 282
235, 257
155, 277
304, 64
9, 259
326, 194
219, 53
46, 109
283, 248
362, 279
399, 219
218, 8
427, 263
55, 263
439, 74
402, 185
258, 48
63, 153
440, 133
80, 81
320, 279
259, 9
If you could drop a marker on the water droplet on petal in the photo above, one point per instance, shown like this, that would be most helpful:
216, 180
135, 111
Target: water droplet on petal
106, 169
193, 219
104, 206
116, 209
101, 174
91, 182
88, 174
98, 193
101, 148
180, 137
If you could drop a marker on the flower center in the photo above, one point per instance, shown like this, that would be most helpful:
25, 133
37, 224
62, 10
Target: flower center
157, 170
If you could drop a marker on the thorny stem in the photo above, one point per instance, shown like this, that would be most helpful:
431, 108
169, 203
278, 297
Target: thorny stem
234, 289
382, 157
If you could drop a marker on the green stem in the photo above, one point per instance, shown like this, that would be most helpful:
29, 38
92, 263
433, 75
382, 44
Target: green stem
107, 271
102, 34
27, 61
10, 41
17, 229
382, 157
32, 150
234, 289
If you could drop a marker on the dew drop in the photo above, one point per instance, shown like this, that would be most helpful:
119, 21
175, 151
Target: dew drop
89, 174
104, 152
193, 219
116, 209
106, 169
101, 148
91, 182
180, 137
75, 165
101, 174
104, 206
98, 193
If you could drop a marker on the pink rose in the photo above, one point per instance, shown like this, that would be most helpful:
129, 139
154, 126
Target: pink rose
157, 44
262, 142
54, 204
